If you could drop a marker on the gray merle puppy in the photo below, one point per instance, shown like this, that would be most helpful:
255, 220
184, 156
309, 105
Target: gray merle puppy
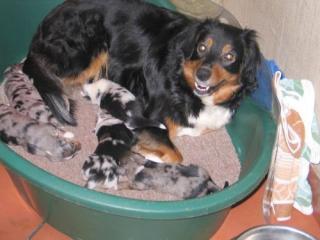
28, 122
24, 97
118, 160
35, 137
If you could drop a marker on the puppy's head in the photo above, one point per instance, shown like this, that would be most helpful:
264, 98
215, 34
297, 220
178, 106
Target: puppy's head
221, 61
93, 90
14, 71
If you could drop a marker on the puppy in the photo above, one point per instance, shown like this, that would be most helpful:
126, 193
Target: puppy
189, 74
28, 122
24, 97
182, 181
35, 137
118, 101
117, 106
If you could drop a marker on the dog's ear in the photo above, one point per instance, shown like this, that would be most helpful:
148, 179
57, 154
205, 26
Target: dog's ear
251, 60
189, 39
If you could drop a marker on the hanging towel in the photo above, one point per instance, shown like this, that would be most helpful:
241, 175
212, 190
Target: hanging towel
297, 145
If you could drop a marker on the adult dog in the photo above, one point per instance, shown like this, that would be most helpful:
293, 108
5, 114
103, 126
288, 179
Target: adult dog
187, 73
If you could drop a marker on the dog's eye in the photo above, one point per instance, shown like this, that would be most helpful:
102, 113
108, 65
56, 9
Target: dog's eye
229, 57
202, 48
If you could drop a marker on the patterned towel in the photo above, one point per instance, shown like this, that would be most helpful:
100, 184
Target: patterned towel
298, 144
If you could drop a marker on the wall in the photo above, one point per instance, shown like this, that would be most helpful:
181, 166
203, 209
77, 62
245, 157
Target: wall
289, 32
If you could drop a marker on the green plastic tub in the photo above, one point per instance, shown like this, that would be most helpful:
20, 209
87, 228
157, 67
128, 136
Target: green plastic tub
86, 214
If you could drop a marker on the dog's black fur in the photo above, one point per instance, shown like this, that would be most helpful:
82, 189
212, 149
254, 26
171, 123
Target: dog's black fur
149, 50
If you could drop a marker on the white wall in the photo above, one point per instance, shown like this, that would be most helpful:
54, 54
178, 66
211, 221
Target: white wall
289, 32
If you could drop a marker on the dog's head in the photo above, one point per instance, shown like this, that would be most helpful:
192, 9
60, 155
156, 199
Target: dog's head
220, 61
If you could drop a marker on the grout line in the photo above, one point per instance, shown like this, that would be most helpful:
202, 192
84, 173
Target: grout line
36, 230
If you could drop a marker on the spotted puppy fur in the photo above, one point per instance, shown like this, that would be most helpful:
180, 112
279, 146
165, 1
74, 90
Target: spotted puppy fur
182, 181
114, 164
28, 122
24, 97
114, 143
122, 105
118, 101
35, 137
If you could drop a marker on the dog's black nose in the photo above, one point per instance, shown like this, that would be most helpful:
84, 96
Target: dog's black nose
203, 74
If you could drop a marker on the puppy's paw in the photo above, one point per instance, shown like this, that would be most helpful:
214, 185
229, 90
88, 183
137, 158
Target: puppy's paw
54, 144
200, 182
58, 149
100, 170
66, 149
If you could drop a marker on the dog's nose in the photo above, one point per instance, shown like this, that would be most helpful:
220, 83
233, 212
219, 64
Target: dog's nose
203, 74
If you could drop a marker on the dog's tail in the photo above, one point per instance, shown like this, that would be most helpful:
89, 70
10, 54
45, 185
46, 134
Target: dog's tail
49, 87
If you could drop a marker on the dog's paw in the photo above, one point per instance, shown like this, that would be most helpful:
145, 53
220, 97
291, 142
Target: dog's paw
100, 170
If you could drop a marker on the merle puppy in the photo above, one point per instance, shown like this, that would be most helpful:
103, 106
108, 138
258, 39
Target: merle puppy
24, 97
28, 122
35, 137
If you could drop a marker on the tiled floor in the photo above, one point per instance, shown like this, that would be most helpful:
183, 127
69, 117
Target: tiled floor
18, 221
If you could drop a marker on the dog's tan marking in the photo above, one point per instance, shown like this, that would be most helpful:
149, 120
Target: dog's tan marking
209, 42
221, 74
92, 71
226, 49
189, 70
225, 93
148, 145
229, 84
172, 127
163, 152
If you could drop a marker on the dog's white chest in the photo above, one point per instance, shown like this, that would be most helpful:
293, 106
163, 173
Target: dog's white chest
210, 118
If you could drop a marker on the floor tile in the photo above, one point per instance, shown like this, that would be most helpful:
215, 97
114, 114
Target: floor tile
18, 220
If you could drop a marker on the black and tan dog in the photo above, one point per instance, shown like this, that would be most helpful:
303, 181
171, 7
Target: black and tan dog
189, 74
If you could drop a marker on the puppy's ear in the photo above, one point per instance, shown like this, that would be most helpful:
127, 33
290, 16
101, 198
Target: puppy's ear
251, 60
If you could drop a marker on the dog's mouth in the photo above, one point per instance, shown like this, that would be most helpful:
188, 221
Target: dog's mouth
204, 88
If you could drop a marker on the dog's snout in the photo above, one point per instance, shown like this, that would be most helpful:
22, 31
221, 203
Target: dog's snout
203, 74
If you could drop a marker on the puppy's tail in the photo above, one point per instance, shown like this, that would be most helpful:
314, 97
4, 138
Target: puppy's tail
213, 187
49, 87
